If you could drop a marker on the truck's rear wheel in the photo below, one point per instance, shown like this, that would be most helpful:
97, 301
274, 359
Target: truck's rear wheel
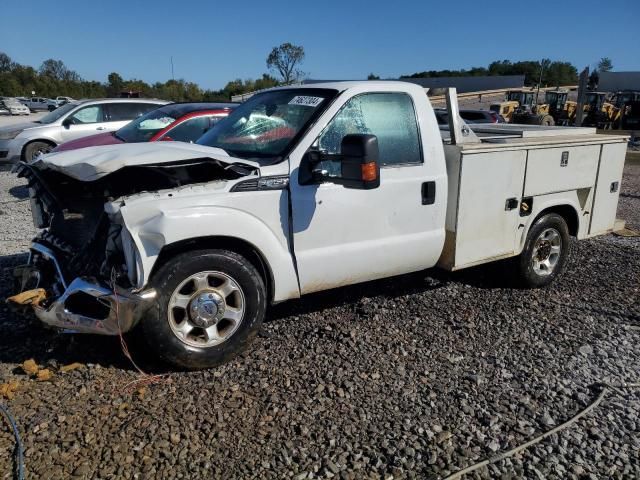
545, 252
210, 306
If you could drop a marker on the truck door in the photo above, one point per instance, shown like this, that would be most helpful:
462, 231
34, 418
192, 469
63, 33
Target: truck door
343, 236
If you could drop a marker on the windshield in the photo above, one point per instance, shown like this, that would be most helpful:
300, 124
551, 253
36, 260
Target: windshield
57, 113
269, 123
145, 127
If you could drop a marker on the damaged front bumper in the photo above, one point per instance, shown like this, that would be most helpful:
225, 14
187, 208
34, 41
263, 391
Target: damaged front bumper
86, 305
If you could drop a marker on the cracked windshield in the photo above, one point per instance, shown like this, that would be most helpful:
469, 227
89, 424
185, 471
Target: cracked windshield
268, 123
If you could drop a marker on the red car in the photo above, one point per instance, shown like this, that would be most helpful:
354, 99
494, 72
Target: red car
182, 122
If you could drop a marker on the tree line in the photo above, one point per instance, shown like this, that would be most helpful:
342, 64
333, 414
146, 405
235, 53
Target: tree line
545, 71
54, 78
553, 73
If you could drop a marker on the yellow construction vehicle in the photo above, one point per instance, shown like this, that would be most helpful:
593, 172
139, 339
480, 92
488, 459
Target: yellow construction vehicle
514, 99
599, 112
557, 104
532, 114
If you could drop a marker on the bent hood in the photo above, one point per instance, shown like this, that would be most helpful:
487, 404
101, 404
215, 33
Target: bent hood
93, 163
107, 138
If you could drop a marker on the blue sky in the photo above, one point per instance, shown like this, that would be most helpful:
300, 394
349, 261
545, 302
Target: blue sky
213, 42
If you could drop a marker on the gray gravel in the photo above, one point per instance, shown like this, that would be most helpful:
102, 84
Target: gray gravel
411, 377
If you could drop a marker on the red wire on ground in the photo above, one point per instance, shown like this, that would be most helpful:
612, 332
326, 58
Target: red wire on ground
146, 378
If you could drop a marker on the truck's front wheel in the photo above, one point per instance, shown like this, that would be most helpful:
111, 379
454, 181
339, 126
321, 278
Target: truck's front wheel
545, 252
210, 306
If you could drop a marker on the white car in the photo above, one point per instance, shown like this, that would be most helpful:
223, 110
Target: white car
54, 103
14, 107
71, 121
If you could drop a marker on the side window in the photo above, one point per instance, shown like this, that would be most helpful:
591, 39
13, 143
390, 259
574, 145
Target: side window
389, 116
215, 119
91, 114
119, 112
189, 130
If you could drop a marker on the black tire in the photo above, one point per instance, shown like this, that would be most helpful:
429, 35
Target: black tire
156, 326
547, 121
33, 149
535, 248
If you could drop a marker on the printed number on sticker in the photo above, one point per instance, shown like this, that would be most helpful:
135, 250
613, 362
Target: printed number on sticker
306, 101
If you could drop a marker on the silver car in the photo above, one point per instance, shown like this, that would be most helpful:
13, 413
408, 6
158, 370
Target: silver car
71, 121
15, 107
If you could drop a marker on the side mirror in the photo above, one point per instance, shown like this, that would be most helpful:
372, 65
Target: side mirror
67, 122
360, 164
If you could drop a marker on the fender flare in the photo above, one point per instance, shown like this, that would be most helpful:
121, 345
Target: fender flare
541, 206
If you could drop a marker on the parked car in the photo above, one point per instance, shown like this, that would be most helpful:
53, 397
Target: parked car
481, 116
54, 103
300, 189
183, 122
36, 103
69, 122
470, 116
15, 107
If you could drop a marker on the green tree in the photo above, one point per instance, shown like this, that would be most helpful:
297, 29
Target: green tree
560, 73
605, 64
284, 60
5, 62
115, 83
53, 68
373, 76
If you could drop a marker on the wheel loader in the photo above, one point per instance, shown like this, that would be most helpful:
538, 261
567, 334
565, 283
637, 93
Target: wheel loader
600, 112
514, 99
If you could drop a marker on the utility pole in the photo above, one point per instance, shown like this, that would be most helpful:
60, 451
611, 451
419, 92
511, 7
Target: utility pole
542, 63
172, 75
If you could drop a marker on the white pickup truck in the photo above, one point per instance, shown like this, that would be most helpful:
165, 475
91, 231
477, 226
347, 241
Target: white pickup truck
300, 189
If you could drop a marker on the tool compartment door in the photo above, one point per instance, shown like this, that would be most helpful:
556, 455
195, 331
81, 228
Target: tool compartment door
560, 169
486, 225
608, 186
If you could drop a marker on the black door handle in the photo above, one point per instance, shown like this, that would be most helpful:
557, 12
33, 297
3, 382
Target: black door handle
429, 193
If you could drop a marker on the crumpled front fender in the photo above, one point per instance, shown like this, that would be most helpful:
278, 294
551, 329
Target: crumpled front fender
161, 224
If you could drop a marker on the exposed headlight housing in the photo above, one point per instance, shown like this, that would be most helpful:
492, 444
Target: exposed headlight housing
132, 259
9, 135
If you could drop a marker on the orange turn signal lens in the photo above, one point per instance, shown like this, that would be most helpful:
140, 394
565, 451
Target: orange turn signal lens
369, 172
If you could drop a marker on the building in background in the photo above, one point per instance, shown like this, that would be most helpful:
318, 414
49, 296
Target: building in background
618, 81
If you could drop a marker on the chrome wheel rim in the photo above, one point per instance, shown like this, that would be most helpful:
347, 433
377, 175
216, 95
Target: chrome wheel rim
41, 151
546, 252
206, 309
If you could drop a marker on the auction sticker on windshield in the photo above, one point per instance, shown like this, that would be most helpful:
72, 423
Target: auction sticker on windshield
306, 101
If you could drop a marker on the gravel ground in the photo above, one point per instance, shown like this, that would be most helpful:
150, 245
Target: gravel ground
410, 377
12, 120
